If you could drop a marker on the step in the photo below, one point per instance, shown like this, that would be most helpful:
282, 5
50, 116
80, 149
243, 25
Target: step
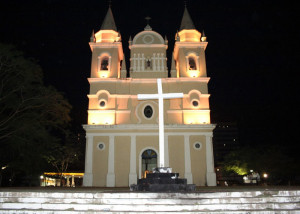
258, 201
132, 201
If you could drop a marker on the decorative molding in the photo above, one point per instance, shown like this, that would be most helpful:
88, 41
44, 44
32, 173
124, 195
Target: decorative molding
150, 80
149, 127
148, 46
161, 39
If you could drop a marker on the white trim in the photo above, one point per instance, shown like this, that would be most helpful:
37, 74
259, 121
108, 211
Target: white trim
150, 80
154, 33
151, 39
148, 46
187, 160
149, 126
88, 169
100, 111
142, 105
140, 158
195, 111
210, 171
132, 173
110, 178
167, 163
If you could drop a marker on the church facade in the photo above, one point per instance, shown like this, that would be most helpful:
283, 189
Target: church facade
122, 133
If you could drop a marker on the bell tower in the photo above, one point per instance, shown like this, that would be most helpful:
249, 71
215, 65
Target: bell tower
148, 55
107, 50
189, 50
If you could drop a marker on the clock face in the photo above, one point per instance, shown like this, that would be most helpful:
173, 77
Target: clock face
148, 39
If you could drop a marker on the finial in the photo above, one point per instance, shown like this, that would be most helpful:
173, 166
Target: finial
148, 26
203, 37
92, 38
109, 3
184, 3
148, 19
177, 37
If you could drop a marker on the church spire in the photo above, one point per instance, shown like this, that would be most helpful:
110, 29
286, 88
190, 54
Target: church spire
109, 22
186, 22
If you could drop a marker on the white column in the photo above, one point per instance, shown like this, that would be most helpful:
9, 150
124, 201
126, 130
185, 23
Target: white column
158, 62
134, 62
187, 160
88, 172
68, 181
132, 174
73, 181
143, 62
153, 62
210, 170
161, 125
139, 62
166, 151
110, 178
162, 62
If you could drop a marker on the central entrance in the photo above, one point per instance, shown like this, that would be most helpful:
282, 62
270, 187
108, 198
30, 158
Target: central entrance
149, 160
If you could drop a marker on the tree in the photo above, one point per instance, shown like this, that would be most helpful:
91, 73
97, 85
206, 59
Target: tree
33, 116
270, 159
63, 155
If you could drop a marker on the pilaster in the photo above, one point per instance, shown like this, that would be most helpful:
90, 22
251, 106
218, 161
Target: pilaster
132, 174
88, 173
210, 170
110, 178
187, 160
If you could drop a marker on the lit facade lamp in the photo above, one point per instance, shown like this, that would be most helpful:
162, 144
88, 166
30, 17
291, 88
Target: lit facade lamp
203, 38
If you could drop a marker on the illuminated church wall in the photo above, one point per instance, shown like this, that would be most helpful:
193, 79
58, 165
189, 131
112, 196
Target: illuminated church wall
119, 129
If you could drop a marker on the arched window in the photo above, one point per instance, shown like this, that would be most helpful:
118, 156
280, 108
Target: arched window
104, 63
192, 63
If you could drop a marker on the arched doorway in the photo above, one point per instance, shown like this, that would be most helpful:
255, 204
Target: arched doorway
149, 160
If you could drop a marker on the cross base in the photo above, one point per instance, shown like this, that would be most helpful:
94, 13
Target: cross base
163, 180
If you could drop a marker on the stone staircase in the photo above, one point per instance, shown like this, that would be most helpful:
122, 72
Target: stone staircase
91, 201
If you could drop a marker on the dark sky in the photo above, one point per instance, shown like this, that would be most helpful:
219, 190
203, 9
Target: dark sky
252, 53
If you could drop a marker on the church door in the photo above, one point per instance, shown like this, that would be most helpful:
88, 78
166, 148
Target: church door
149, 161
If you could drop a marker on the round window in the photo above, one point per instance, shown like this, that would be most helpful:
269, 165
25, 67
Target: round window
101, 146
195, 103
197, 145
102, 103
148, 111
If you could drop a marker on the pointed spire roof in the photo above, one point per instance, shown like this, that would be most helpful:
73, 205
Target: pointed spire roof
123, 66
186, 22
109, 22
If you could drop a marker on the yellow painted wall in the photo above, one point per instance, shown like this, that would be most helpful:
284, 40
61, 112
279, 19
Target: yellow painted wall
122, 160
100, 161
198, 160
176, 154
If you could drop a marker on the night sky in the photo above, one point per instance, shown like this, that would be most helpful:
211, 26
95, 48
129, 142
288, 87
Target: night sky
252, 53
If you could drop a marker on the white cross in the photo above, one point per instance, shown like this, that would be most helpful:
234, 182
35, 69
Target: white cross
160, 96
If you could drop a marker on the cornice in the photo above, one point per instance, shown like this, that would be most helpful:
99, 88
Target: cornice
150, 80
149, 127
105, 45
148, 46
